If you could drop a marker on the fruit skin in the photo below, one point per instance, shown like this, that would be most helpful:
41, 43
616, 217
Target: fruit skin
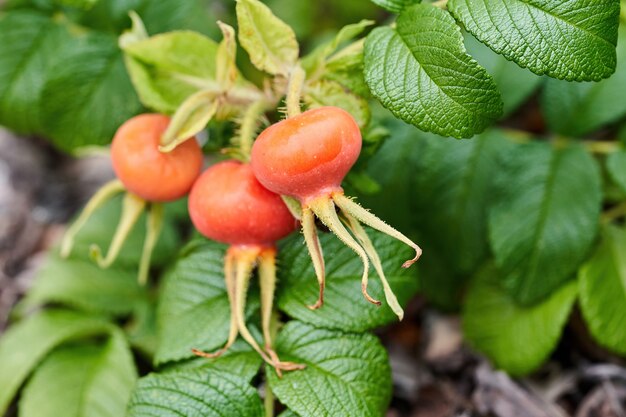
229, 205
308, 155
147, 172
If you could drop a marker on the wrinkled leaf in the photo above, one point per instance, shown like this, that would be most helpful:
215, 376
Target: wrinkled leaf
396, 6
422, 74
345, 375
571, 40
542, 230
344, 306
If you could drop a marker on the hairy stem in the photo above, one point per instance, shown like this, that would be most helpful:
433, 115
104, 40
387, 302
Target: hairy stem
352, 208
154, 224
104, 194
249, 126
294, 90
132, 207
324, 208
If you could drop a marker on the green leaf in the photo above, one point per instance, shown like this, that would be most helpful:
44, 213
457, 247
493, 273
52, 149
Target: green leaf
421, 72
344, 307
518, 339
194, 311
194, 394
616, 167
396, 6
82, 284
602, 286
331, 93
515, 83
88, 96
82, 380
345, 374
571, 40
166, 69
26, 343
577, 109
542, 228
81, 4
346, 68
31, 44
240, 359
269, 41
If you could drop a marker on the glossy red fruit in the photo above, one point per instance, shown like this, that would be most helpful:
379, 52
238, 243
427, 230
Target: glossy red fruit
308, 155
229, 205
147, 172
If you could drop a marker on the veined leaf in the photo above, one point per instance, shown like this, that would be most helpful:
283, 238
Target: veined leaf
269, 41
421, 72
571, 40
26, 343
518, 339
515, 83
82, 380
541, 230
602, 284
331, 93
345, 374
194, 393
344, 306
194, 311
88, 96
576, 109
168, 68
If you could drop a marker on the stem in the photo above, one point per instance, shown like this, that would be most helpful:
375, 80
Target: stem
294, 89
268, 401
267, 280
315, 251
132, 207
154, 224
249, 126
593, 146
103, 195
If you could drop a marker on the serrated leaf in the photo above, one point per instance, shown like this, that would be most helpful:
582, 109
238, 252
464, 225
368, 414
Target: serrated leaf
194, 311
269, 41
82, 284
82, 380
31, 44
576, 109
331, 93
168, 68
194, 394
88, 96
571, 40
421, 72
518, 339
26, 343
344, 306
396, 6
541, 230
345, 375
240, 359
515, 83
602, 286
346, 68
616, 167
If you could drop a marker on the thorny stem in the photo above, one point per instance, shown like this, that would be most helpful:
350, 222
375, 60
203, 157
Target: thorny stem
132, 207
154, 224
294, 89
249, 125
324, 209
315, 250
354, 209
367, 244
103, 195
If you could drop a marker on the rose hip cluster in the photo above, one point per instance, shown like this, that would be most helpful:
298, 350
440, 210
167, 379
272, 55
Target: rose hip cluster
304, 157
